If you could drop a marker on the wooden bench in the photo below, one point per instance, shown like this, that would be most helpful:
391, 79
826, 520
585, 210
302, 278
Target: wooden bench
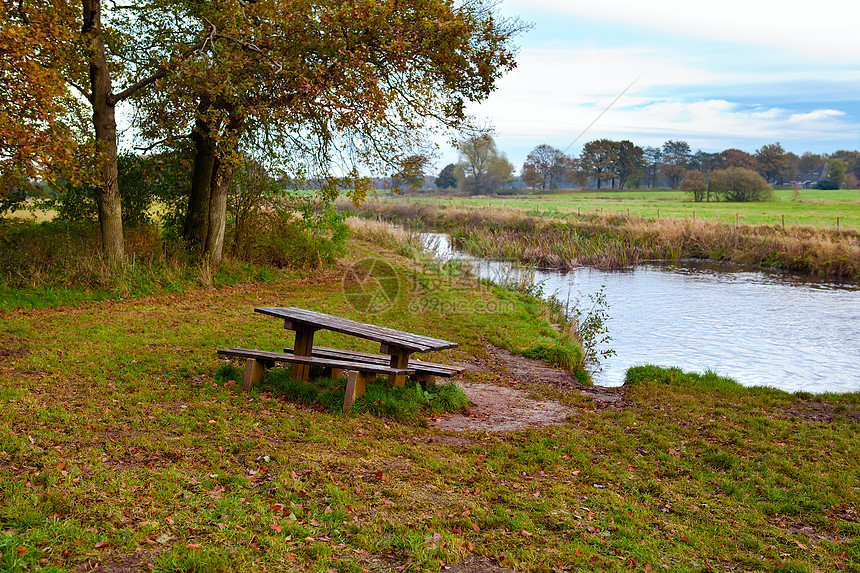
424, 371
360, 373
397, 344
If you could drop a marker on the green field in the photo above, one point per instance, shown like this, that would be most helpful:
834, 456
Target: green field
124, 448
813, 207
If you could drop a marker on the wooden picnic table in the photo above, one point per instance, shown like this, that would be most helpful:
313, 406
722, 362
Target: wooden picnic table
399, 345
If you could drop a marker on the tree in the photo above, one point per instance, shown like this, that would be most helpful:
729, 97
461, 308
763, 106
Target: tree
737, 158
317, 80
789, 170
360, 81
836, 171
629, 162
676, 155
809, 162
446, 178
851, 157
598, 159
482, 169
60, 46
739, 184
544, 167
771, 161
704, 161
695, 184
652, 157
411, 173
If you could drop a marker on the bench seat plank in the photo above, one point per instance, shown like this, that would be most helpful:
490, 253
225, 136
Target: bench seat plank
266, 356
433, 368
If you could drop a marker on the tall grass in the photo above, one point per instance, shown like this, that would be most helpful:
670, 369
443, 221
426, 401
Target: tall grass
616, 241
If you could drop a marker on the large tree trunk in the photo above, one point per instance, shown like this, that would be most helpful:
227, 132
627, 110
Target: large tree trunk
222, 177
196, 225
104, 123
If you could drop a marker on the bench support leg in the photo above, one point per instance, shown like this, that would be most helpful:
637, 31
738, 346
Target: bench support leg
336, 372
254, 370
428, 379
355, 387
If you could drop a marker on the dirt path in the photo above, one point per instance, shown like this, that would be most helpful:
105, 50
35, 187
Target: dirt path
511, 403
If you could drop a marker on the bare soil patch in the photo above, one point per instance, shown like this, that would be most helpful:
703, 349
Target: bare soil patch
510, 404
811, 411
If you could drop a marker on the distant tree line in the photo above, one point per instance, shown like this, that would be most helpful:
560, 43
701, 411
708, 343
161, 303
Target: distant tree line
609, 164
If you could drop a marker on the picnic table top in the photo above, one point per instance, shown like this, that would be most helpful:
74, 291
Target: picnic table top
389, 336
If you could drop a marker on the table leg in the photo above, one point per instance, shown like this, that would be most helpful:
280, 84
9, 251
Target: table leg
303, 347
399, 359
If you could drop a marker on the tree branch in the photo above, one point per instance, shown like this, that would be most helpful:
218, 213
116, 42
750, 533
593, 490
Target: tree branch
254, 48
149, 148
163, 71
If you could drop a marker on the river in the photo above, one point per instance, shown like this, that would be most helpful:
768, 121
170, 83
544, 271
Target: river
758, 327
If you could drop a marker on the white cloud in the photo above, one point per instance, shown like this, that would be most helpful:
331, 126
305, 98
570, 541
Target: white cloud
816, 115
555, 94
825, 29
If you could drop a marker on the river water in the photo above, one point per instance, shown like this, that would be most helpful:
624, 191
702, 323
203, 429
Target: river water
757, 327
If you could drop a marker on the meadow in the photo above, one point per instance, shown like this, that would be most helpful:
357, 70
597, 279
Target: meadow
126, 445
806, 207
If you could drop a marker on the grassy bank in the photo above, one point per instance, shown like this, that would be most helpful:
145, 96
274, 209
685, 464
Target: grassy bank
614, 241
121, 449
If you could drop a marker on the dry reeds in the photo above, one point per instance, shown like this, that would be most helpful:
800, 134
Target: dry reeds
617, 241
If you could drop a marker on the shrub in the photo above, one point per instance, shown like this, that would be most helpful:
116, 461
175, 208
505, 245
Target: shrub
737, 184
827, 185
695, 184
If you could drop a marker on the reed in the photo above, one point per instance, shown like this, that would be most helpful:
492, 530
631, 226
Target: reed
617, 241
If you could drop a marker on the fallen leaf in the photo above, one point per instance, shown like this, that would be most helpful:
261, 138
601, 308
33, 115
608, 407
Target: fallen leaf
21, 550
101, 544
525, 533
192, 546
801, 545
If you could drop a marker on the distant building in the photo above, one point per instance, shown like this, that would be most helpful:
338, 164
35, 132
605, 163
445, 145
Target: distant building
809, 180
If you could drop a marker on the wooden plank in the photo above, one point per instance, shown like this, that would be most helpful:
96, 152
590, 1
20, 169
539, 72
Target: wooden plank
265, 355
419, 366
398, 338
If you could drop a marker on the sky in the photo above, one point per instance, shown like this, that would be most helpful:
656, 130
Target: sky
719, 75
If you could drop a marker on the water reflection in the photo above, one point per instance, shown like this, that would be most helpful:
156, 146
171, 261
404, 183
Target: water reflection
757, 327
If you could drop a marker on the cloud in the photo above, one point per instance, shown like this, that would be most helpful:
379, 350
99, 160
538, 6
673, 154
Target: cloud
825, 30
816, 115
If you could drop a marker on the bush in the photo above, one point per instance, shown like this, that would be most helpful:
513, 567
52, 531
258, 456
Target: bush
737, 184
695, 184
827, 185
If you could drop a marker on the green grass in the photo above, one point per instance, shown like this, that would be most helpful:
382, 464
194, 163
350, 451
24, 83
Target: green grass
813, 207
125, 441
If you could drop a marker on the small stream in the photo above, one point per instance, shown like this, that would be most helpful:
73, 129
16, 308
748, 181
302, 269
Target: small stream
757, 327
